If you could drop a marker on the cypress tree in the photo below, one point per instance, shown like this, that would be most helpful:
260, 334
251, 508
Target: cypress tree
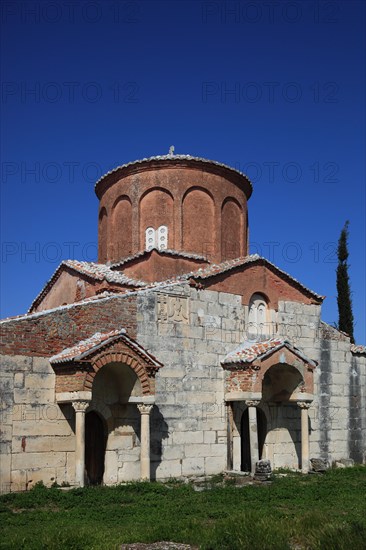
345, 315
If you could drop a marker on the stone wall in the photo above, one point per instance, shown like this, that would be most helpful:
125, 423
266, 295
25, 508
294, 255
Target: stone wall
190, 331
338, 413
37, 435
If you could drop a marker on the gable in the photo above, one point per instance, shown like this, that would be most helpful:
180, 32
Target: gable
247, 280
63, 291
160, 267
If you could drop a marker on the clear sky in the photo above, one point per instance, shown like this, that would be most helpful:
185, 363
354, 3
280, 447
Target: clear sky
273, 88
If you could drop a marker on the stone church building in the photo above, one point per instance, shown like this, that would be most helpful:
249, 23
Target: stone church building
178, 353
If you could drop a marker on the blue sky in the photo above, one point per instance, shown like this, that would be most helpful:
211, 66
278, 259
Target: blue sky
275, 89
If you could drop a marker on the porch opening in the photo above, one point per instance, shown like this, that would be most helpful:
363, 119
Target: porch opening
95, 446
245, 443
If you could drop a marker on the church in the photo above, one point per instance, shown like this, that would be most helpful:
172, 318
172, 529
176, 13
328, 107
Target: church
178, 353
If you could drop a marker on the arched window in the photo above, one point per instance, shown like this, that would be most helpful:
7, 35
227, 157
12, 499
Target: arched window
258, 320
150, 238
156, 238
162, 237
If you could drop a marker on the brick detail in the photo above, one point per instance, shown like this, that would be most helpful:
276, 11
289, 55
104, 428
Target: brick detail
80, 377
48, 334
127, 358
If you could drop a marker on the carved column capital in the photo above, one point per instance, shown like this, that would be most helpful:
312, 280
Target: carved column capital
144, 409
252, 402
303, 404
80, 406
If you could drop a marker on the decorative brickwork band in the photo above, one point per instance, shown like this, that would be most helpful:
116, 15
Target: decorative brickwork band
113, 356
80, 409
145, 440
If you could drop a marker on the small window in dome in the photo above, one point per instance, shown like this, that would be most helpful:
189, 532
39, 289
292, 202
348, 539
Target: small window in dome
150, 238
162, 237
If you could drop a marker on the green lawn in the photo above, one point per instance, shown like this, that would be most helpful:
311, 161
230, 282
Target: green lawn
295, 512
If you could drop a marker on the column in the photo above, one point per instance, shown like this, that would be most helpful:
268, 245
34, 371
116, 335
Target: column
253, 433
304, 406
145, 440
80, 408
230, 422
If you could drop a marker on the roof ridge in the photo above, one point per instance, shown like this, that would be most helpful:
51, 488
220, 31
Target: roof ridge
80, 267
172, 158
216, 269
167, 251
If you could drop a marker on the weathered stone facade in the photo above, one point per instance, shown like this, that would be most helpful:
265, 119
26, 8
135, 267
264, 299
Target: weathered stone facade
165, 365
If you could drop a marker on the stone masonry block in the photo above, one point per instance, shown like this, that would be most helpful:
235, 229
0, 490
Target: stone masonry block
193, 466
15, 363
183, 438
34, 427
197, 450
172, 452
218, 449
229, 299
23, 461
209, 436
43, 444
168, 469
42, 365
215, 465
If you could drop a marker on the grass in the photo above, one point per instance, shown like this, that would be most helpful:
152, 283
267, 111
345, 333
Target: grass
319, 512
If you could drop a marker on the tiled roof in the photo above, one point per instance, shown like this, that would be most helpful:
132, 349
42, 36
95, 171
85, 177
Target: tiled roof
358, 349
102, 272
174, 158
102, 297
86, 347
249, 352
166, 252
217, 269
98, 272
77, 351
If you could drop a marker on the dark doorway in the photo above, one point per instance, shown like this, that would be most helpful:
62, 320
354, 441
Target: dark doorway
95, 443
246, 463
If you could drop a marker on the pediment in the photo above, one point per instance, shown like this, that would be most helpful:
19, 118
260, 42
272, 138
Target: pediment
76, 367
275, 350
253, 274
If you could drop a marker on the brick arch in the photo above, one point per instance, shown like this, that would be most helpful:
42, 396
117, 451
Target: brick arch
305, 370
110, 356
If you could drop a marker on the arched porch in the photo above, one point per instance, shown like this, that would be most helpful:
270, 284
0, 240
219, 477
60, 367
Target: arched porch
269, 389
112, 390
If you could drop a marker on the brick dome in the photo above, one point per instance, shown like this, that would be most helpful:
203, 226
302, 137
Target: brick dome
174, 202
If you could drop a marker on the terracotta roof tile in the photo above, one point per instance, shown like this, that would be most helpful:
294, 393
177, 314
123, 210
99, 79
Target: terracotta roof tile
102, 272
98, 272
249, 352
85, 347
215, 269
358, 349
173, 158
167, 252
